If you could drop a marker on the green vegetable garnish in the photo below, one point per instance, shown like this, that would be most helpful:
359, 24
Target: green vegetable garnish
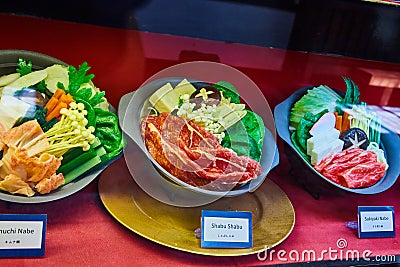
228, 91
246, 137
108, 131
298, 147
303, 130
24, 67
352, 96
76, 79
314, 101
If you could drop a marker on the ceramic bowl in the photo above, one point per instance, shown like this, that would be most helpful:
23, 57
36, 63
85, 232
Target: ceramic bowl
8, 64
134, 106
311, 179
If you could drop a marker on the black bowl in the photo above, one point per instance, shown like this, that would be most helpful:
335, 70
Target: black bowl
312, 179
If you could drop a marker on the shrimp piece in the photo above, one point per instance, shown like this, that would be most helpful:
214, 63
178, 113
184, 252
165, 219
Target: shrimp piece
48, 184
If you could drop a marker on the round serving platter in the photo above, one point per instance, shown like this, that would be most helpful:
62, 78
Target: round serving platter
174, 227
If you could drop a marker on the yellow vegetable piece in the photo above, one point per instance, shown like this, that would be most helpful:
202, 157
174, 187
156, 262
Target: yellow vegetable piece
7, 79
56, 73
29, 79
166, 98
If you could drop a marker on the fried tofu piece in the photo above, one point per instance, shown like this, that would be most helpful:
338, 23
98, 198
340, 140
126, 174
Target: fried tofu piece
30, 169
28, 135
15, 185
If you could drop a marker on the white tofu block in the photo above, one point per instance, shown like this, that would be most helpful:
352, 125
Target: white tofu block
318, 140
11, 110
325, 150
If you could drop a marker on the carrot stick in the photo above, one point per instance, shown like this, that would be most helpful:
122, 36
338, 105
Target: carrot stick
51, 104
70, 98
54, 100
58, 93
56, 111
65, 99
338, 122
346, 121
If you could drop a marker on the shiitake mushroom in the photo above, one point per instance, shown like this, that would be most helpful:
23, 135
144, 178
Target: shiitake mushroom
354, 137
213, 96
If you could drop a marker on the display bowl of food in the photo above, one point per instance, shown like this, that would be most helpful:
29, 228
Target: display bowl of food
57, 132
337, 141
201, 136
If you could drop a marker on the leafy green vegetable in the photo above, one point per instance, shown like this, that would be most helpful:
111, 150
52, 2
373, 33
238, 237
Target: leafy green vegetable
108, 131
84, 93
298, 148
61, 86
246, 137
352, 96
77, 77
303, 130
41, 86
97, 98
228, 91
314, 101
255, 127
180, 102
24, 67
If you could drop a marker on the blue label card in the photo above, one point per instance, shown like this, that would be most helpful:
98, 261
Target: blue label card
376, 221
22, 235
226, 229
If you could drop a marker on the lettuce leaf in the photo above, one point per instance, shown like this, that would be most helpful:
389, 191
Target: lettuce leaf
303, 130
246, 137
228, 91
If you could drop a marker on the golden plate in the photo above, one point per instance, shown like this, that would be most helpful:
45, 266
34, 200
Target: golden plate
171, 226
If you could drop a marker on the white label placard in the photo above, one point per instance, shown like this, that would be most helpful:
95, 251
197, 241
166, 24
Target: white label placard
226, 229
376, 221
373, 221
20, 234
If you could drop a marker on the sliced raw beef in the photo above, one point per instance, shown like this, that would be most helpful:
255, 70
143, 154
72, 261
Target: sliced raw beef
353, 168
194, 155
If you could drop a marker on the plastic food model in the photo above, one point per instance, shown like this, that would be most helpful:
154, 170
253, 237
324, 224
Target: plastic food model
204, 136
339, 136
55, 125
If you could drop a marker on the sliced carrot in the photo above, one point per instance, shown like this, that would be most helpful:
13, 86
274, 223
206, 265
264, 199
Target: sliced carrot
65, 98
58, 93
54, 100
346, 121
56, 111
70, 98
59, 100
338, 122
51, 104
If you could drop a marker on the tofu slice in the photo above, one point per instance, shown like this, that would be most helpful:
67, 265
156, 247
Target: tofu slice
325, 150
320, 139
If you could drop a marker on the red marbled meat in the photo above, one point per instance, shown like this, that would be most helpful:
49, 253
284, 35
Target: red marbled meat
194, 155
352, 168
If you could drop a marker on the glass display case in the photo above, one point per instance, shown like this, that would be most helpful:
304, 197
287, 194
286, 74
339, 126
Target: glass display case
274, 52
